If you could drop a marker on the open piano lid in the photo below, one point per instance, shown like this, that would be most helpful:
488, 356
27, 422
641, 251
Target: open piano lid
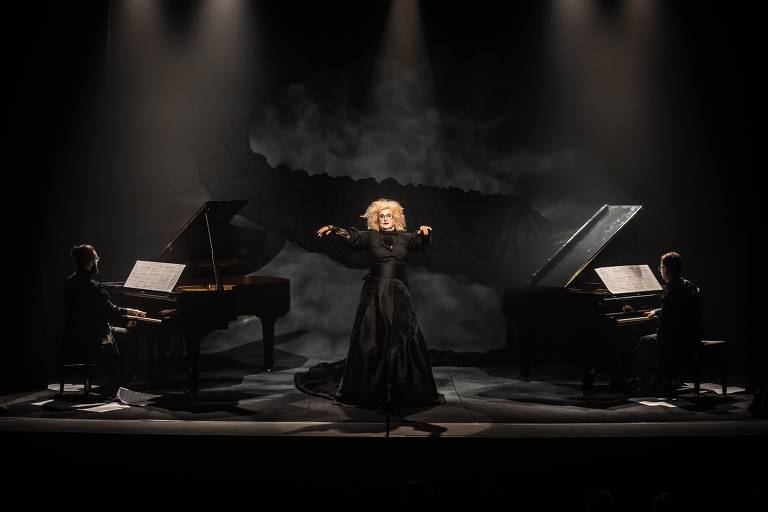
237, 250
584, 246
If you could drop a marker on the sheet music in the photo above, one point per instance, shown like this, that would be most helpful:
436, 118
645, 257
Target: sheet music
154, 275
628, 279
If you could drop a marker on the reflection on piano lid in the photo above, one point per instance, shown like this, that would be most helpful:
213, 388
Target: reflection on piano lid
576, 254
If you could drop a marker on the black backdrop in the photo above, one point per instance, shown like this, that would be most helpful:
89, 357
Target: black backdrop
522, 109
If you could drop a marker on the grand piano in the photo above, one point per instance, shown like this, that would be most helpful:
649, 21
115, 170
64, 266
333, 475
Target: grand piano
567, 314
215, 286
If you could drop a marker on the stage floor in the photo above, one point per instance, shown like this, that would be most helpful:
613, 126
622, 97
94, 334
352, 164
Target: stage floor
480, 401
496, 439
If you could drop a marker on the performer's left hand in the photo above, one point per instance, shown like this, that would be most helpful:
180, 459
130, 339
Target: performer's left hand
424, 230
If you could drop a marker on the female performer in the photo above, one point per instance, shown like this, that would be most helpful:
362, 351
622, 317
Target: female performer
387, 362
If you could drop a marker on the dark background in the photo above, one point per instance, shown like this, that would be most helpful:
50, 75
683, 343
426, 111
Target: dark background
567, 107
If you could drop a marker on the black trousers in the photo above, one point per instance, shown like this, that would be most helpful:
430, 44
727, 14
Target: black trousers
660, 358
113, 355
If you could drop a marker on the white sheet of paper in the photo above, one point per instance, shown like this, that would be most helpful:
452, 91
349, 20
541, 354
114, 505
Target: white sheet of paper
130, 397
112, 406
656, 404
154, 275
715, 388
628, 279
67, 387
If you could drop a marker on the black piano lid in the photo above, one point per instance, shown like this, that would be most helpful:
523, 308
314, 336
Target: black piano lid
584, 246
234, 247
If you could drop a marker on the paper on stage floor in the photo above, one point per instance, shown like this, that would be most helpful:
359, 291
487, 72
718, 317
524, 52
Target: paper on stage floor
61, 405
628, 279
111, 406
130, 397
651, 403
154, 275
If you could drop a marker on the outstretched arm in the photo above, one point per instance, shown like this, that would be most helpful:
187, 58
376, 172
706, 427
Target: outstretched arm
354, 238
419, 240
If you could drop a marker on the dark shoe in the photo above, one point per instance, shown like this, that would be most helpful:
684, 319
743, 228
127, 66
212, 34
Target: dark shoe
632, 386
588, 383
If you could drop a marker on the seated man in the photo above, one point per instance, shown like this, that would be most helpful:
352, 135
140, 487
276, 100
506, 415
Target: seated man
679, 328
89, 311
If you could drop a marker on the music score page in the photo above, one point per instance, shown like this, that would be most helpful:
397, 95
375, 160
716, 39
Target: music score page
628, 279
154, 275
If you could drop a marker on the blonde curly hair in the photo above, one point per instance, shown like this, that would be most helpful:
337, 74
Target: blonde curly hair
372, 213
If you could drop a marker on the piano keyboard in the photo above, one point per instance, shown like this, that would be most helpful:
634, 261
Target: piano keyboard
633, 320
144, 319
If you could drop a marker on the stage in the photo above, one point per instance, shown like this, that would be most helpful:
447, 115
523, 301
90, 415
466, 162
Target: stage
562, 159
496, 434
480, 401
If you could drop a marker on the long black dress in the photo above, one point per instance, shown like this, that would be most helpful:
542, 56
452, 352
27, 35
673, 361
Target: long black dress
387, 362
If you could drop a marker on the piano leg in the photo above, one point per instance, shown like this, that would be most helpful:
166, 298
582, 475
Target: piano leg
193, 360
160, 352
589, 344
268, 335
527, 337
520, 335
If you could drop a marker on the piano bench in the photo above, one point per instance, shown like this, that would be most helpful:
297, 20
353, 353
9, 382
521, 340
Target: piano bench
86, 373
717, 352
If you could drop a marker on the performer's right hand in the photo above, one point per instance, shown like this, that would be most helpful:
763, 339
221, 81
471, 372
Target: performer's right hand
323, 231
652, 313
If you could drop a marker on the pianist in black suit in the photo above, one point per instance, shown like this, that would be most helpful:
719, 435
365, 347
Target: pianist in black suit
677, 336
89, 311
387, 362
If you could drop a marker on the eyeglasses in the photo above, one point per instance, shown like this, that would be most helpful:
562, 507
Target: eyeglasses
385, 216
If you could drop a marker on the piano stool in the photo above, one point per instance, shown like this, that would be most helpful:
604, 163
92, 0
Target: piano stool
86, 362
711, 351
85, 367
